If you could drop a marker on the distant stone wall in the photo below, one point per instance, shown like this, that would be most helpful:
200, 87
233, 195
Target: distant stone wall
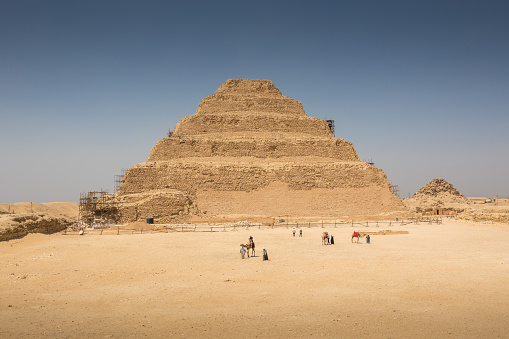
486, 215
176, 148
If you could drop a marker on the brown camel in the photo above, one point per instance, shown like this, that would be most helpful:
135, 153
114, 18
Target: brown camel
249, 245
325, 238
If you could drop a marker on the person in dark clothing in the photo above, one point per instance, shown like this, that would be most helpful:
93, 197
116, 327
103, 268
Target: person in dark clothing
331, 239
368, 239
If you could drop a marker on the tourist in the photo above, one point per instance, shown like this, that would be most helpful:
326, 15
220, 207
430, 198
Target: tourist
252, 245
293, 231
331, 239
265, 255
300, 233
242, 252
368, 239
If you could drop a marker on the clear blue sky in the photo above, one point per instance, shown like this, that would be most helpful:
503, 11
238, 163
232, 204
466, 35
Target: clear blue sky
88, 87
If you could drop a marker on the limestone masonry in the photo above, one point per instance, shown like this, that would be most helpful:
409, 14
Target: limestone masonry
440, 187
250, 151
437, 196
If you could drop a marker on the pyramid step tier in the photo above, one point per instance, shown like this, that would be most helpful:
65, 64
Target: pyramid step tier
251, 123
247, 174
175, 148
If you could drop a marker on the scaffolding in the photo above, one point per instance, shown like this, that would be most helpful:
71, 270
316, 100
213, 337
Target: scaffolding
395, 190
119, 178
370, 161
331, 126
98, 207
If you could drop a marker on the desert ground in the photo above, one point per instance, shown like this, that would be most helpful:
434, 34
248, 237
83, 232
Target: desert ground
439, 280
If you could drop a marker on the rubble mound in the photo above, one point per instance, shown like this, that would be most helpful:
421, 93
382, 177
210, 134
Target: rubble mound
438, 188
438, 196
486, 215
18, 225
251, 151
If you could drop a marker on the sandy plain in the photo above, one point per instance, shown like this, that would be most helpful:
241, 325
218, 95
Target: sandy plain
438, 281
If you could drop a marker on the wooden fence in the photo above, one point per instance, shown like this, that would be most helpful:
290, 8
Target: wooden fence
167, 228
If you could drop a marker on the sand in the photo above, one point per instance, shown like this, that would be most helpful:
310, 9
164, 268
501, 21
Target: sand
448, 280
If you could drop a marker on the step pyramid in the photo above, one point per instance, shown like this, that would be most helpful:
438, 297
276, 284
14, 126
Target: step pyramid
250, 151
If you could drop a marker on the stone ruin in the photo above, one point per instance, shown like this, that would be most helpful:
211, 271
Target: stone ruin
250, 151
437, 197
438, 188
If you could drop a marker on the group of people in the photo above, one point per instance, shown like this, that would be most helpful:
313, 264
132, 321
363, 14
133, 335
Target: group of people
329, 238
251, 245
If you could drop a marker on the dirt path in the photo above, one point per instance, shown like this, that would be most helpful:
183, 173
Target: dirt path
445, 280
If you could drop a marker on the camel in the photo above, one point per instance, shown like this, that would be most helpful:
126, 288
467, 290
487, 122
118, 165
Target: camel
325, 238
249, 245
357, 235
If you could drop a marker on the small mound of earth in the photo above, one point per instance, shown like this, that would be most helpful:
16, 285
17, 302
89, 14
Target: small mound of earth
437, 194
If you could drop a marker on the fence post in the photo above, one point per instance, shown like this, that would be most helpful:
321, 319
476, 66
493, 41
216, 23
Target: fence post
118, 230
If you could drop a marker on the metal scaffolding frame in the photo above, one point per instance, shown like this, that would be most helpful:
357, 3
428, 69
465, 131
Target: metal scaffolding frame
98, 207
395, 190
119, 178
331, 126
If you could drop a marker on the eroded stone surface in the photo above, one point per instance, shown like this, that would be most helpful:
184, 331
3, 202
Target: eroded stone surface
437, 195
249, 150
